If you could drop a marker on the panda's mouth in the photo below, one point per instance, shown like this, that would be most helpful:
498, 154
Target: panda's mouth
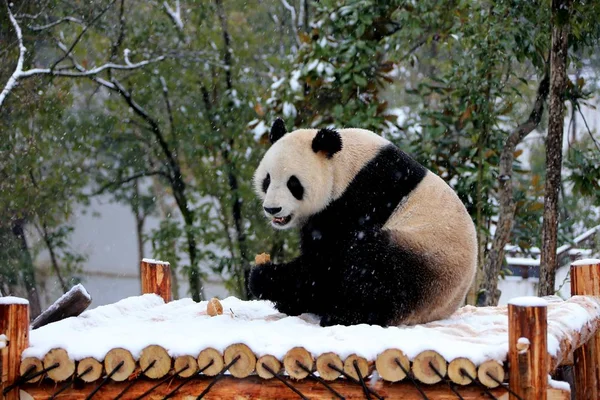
281, 221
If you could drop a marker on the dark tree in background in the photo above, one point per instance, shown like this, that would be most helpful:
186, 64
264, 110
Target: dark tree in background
561, 10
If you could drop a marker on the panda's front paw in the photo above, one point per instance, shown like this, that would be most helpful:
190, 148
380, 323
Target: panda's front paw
261, 278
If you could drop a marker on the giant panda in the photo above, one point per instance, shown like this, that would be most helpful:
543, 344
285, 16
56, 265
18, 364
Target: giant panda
384, 241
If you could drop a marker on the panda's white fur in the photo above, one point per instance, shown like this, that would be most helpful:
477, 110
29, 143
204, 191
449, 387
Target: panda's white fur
293, 155
428, 230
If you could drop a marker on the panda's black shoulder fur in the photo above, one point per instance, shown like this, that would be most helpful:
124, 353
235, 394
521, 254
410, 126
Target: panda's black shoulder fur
350, 271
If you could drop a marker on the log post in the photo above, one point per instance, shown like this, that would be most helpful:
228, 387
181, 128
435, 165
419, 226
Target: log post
156, 278
14, 324
585, 280
527, 348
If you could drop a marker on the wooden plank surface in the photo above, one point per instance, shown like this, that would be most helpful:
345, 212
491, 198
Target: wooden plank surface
257, 388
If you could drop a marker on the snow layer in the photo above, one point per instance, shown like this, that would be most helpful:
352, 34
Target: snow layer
528, 301
558, 384
587, 261
184, 328
153, 261
13, 300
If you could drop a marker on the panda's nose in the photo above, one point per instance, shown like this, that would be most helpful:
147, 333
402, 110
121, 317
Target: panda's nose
272, 210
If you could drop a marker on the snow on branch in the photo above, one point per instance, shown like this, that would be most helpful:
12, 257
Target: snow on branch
74, 71
89, 72
12, 81
57, 22
174, 14
292, 11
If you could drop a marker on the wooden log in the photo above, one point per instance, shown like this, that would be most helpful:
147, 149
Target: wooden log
491, 373
206, 356
363, 365
31, 365
157, 355
271, 362
255, 387
246, 363
156, 278
14, 324
585, 280
94, 374
422, 367
70, 304
387, 365
214, 307
572, 338
528, 375
323, 368
460, 369
113, 359
186, 365
291, 359
66, 366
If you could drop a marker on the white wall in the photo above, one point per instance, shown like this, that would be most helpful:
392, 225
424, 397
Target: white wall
109, 241
514, 286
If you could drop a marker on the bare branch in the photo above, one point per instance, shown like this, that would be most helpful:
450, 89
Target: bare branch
83, 31
139, 175
168, 103
115, 46
175, 14
12, 81
38, 28
587, 126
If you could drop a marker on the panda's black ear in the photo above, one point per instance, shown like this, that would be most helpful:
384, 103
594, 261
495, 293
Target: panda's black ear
277, 130
328, 141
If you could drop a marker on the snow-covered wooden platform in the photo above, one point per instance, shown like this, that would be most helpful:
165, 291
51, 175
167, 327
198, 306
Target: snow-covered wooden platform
141, 341
183, 327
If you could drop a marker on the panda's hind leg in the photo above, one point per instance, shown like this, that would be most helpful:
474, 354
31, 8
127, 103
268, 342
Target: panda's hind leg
382, 283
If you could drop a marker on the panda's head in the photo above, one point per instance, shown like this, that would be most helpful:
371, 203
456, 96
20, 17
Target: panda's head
295, 177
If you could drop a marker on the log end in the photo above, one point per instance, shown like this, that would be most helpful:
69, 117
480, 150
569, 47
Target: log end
323, 368
246, 362
266, 363
295, 356
387, 365
65, 366
205, 357
112, 361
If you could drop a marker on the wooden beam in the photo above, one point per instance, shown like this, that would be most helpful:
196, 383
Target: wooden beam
527, 348
585, 280
256, 388
14, 323
71, 304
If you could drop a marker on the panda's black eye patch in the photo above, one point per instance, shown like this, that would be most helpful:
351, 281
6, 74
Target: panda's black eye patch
295, 187
266, 183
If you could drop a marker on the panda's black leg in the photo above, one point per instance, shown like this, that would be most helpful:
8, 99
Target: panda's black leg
291, 286
381, 282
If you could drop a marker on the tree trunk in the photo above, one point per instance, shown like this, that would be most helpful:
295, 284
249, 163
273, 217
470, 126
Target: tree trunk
27, 269
244, 268
140, 218
495, 258
558, 80
53, 259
